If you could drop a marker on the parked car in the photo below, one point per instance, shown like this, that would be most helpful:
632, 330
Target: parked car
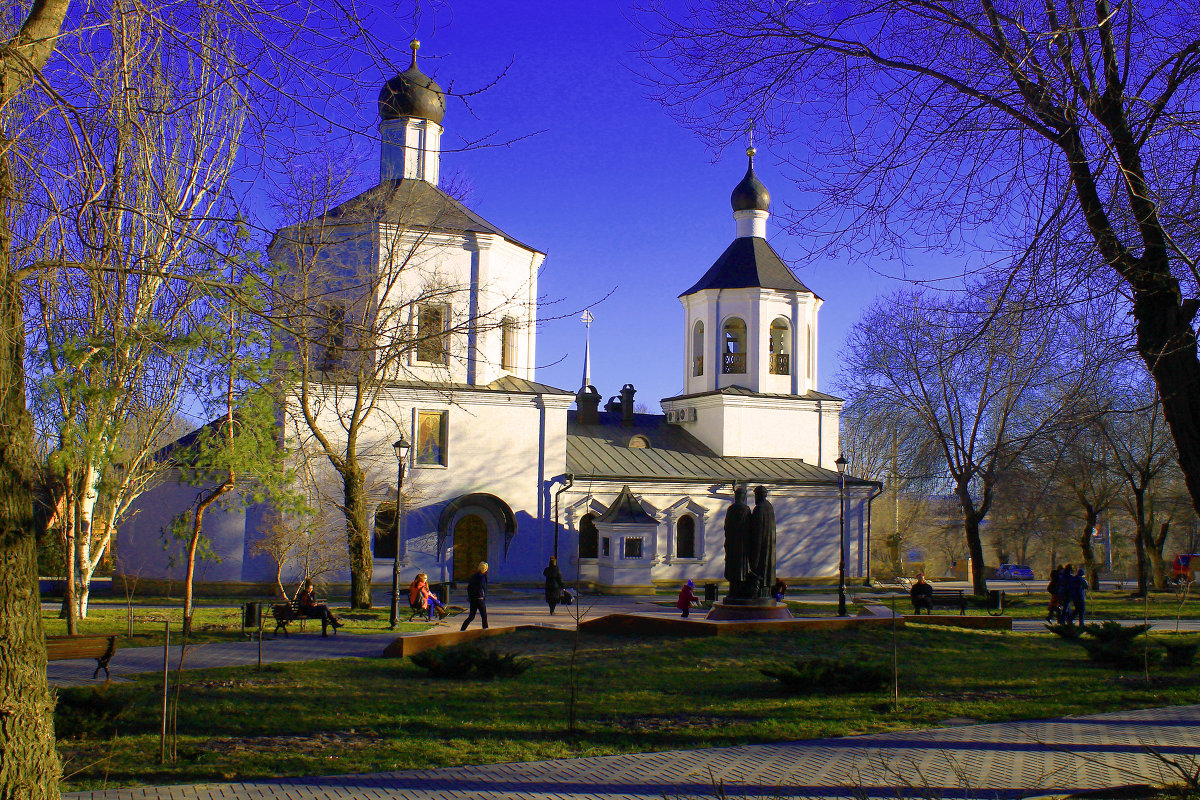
1185, 567
1014, 572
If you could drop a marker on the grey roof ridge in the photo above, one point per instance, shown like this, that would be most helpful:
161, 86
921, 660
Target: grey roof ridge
337, 220
742, 391
850, 479
447, 386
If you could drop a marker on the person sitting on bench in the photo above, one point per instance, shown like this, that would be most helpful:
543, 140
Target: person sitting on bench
922, 595
420, 596
307, 603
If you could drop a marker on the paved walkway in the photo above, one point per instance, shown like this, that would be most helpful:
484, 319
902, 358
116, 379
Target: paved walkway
503, 610
1005, 760
312, 646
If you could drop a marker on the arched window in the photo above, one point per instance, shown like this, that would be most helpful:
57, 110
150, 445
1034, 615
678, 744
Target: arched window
733, 359
780, 344
698, 349
508, 344
685, 537
589, 537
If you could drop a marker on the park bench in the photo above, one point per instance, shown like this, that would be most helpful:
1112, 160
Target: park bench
950, 598
101, 648
289, 612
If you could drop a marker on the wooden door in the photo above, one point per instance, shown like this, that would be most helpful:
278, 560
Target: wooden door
470, 546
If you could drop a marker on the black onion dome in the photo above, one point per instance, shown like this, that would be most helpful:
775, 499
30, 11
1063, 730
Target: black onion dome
412, 93
750, 194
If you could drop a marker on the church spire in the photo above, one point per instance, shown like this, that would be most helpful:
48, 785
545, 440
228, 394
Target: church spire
750, 199
588, 319
411, 108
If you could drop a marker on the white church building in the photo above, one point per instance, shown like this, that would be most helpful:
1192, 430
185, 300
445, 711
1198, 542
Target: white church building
504, 469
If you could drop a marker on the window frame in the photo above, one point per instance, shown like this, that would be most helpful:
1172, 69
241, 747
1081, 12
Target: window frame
432, 348
443, 445
508, 344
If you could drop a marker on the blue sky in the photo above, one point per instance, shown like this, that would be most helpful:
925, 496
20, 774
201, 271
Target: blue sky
624, 200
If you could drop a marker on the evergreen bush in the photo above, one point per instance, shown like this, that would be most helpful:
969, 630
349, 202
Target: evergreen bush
1064, 631
1116, 645
830, 675
469, 662
1180, 653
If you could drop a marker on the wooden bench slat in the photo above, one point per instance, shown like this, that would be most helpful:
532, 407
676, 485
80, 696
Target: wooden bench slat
101, 648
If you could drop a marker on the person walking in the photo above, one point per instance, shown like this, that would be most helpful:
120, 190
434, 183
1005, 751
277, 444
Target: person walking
1052, 588
554, 583
687, 598
477, 596
1064, 595
1079, 589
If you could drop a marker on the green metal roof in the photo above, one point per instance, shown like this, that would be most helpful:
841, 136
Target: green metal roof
602, 452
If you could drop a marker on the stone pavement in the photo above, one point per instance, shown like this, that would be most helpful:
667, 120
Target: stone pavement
502, 611
1004, 760
312, 646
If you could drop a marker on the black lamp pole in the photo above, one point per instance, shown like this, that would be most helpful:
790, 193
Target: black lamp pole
401, 447
841, 468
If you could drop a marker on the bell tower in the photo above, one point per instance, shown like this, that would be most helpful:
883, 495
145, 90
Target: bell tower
749, 321
750, 338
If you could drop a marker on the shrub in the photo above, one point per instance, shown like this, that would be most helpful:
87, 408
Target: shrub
469, 662
1064, 631
1180, 653
1116, 645
830, 675
89, 711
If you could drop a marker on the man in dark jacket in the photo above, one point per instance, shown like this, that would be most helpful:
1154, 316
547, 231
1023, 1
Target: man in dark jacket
922, 595
477, 595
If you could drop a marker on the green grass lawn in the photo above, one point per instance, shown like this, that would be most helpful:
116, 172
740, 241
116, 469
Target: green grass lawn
635, 694
209, 624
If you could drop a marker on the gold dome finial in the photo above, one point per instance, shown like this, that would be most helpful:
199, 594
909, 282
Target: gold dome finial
750, 151
414, 45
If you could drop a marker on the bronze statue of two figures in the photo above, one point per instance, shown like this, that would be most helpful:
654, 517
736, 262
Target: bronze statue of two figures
750, 546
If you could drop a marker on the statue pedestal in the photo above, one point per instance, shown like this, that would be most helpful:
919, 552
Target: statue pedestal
737, 608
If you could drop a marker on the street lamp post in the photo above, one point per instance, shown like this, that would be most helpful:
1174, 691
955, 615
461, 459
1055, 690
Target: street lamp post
841, 468
401, 447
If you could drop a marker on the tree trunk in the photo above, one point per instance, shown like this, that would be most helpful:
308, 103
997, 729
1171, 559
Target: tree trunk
1091, 519
1154, 554
1167, 343
193, 544
975, 548
1139, 540
69, 606
358, 535
29, 768
85, 566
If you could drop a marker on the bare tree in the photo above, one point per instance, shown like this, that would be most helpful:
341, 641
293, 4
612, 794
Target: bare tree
983, 379
51, 48
1061, 134
1142, 453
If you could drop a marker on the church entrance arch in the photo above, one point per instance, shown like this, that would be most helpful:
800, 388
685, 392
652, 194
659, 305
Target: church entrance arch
470, 546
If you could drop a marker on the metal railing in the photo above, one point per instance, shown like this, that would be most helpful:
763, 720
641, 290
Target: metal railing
733, 363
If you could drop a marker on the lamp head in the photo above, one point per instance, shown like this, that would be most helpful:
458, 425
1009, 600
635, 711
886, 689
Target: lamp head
841, 464
401, 447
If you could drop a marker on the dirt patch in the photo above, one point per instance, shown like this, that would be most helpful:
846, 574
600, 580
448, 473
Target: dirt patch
654, 723
318, 743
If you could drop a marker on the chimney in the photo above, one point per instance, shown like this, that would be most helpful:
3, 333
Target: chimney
627, 393
587, 403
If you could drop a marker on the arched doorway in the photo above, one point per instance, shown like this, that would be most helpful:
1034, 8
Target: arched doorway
470, 546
